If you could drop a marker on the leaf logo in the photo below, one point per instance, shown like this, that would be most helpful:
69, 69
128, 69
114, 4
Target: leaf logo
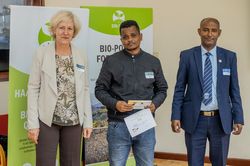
118, 15
43, 37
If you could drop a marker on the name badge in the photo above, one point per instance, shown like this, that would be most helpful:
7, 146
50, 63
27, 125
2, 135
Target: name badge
80, 68
226, 72
149, 75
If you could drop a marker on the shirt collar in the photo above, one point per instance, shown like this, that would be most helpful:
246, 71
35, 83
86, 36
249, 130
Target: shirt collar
130, 55
204, 51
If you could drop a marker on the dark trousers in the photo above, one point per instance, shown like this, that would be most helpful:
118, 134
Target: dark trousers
69, 140
208, 128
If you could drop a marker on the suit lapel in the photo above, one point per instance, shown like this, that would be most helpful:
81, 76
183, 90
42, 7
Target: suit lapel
49, 67
198, 61
220, 61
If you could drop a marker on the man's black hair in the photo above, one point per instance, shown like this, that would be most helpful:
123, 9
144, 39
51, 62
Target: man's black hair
129, 23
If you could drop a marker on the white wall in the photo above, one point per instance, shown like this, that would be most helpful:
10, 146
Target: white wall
175, 29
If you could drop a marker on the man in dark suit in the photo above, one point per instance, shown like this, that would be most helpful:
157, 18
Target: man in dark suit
207, 102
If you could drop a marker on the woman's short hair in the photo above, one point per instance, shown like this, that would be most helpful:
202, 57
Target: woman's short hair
64, 15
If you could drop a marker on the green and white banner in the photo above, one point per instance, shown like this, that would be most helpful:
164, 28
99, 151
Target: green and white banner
99, 36
104, 40
29, 29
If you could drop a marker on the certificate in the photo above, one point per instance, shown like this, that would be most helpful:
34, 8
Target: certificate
140, 104
140, 122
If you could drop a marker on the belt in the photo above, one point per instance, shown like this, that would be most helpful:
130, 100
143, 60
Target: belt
209, 113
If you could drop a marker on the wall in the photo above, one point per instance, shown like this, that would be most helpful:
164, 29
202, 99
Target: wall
175, 29
3, 97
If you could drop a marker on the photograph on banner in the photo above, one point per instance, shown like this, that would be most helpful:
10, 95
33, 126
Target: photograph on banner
29, 30
104, 40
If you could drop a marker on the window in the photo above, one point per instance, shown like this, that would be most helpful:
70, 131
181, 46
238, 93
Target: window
5, 31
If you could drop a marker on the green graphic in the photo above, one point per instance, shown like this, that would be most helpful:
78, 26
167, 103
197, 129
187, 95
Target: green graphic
43, 37
18, 144
108, 19
118, 16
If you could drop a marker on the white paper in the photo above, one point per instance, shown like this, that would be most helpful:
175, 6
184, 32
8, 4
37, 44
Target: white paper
140, 104
140, 122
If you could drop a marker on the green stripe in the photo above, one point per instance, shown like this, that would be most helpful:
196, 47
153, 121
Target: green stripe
101, 18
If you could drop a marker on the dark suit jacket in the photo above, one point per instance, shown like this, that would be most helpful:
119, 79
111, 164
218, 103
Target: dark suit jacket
188, 93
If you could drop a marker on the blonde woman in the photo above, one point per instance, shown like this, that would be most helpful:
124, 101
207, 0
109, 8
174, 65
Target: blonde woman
59, 108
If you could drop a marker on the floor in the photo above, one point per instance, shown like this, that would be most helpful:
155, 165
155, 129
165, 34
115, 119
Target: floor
158, 162
162, 162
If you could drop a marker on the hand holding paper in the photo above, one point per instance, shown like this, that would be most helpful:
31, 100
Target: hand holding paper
151, 107
140, 104
122, 106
